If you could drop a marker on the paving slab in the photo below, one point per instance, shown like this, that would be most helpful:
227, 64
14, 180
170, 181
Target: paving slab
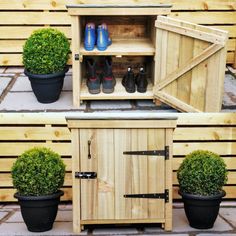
13, 69
180, 223
2, 69
64, 216
28, 102
229, 214
4, 82
16, 217
19, 229
223, 234
116, 104
3, 214
115, 231
229, 99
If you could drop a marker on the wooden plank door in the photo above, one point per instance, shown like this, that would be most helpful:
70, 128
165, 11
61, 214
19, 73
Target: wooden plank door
190, 65
135, 174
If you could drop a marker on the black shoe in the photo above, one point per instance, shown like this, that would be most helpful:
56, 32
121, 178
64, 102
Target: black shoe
108, 79
141, 81
93, 80
128, 81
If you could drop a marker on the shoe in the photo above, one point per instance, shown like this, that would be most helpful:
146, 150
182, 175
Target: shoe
102, 38
89, 37
107, 77
141, 81
93, 81
109, 41
128, 81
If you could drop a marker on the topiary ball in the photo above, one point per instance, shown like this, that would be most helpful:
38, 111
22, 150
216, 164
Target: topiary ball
46, 51
38, 171
202, 173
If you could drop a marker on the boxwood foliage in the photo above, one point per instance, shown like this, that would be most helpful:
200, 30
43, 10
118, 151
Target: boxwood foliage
202, 173
38, 171
46, 51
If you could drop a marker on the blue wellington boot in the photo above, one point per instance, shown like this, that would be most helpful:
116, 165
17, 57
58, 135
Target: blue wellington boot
104, 25
89, 37
102, 38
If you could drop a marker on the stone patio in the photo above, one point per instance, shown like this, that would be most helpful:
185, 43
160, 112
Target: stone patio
11, 224
16, 95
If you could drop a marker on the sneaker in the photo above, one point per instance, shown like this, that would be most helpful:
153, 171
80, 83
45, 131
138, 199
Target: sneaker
102, 38
93, 81
108, 79
89, 37
141, 81
109, 41
128, 81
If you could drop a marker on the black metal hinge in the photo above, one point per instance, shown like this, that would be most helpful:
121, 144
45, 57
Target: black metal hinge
86, 175
164, 195
165, 153
77, 58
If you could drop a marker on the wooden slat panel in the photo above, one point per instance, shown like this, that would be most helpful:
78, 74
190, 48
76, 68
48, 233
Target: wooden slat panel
34, 18
209, 133
7, 195
19, 32
6, 163
35, 133
15, 149
229, 161
204, 17
227, 148
6, 180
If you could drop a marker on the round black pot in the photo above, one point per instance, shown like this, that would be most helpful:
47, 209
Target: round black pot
39, 212
47, 87
201, 211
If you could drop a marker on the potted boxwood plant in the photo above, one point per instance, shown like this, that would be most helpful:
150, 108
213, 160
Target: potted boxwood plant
201, 177
45, 55
38, 175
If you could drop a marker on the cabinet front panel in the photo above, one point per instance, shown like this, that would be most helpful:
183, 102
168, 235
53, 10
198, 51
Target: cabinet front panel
119, 174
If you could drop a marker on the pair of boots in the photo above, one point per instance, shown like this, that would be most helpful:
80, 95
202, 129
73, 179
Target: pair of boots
130, 81
106, 78
102, 39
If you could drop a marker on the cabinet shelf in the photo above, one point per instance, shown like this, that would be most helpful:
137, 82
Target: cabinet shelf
124, 47
119, 93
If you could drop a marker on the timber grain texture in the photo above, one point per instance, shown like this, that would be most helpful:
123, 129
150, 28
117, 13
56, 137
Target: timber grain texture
212, 131
19, 18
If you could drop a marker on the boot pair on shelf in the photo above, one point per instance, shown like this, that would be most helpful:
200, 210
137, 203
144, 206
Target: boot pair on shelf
130, 81
101, 39
106, 78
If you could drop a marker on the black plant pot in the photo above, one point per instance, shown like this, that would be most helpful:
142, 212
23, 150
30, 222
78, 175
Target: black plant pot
39, 212
47, 87
201, 211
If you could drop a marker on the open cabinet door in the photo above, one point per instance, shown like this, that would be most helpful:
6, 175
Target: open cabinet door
190, 65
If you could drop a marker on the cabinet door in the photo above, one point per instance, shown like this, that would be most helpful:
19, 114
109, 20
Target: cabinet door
119, 174
190, 65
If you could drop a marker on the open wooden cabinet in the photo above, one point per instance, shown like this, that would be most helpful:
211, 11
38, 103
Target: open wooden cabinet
185, 62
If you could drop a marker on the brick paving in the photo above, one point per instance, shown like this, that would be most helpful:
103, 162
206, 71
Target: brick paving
11, 224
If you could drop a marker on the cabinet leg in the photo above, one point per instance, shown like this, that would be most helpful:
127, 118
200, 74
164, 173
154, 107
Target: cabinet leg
168, 225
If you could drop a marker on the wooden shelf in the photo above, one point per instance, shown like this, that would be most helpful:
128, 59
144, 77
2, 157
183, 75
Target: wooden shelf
124, 47
118, 94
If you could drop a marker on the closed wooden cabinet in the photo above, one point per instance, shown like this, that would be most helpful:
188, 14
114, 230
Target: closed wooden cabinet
120, 174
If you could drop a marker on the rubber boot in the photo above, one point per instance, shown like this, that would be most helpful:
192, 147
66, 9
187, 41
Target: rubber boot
89, 37
141, 81
93, 81
128, 81
108, 79
109, 41
102, 38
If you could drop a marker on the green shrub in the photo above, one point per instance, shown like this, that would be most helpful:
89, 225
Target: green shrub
202, 173
38, 171
46, 51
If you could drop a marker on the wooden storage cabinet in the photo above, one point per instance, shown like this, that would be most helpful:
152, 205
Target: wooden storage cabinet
126, 187
185, 62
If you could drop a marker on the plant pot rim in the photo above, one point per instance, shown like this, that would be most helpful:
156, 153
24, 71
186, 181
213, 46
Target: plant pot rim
42, 197
46, 76
221, 194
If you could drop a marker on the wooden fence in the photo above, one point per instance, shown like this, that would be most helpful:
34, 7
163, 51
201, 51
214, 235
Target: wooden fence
19, 18
18, 132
